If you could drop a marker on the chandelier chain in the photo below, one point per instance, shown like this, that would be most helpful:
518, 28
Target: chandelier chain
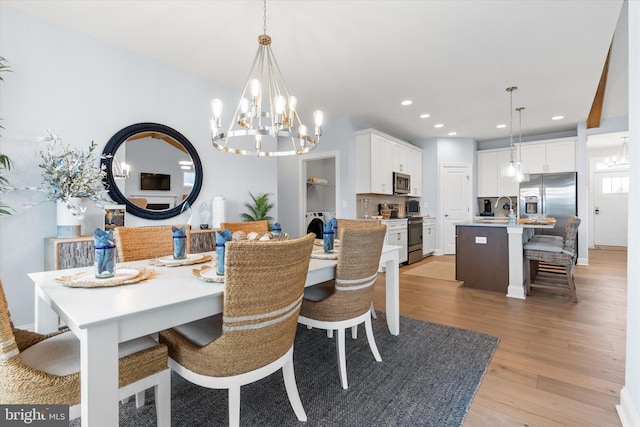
264, 17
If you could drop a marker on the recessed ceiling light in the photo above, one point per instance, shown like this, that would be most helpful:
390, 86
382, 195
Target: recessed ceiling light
501, 126
425, 116
557, 117
406, 102
452, 133
439, 125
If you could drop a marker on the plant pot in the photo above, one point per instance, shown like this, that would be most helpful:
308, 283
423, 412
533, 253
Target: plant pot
68, 224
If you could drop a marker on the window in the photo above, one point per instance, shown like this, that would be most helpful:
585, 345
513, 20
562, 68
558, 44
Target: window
615, 184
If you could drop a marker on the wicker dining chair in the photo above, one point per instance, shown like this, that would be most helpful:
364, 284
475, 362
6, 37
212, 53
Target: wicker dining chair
39, 369
348, 302
356, 223
136, 243
253, 337
561, 253
261, 226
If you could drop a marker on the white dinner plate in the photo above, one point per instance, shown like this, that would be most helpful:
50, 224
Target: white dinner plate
121, 274
209, 273
170, 260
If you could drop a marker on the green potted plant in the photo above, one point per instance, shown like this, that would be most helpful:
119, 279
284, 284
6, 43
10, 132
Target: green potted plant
69, 177
259, 209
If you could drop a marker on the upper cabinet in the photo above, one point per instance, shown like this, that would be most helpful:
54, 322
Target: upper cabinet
555, 155
490, 181
374, 171
379, 155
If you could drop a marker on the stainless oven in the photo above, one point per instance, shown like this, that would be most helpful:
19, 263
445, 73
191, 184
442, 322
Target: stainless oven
414, 239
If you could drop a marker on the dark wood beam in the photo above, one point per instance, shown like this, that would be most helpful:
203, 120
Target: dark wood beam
593, 121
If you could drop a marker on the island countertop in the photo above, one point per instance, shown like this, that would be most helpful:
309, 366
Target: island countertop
498, 223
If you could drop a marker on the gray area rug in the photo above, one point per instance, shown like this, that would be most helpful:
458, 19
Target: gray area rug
428, 377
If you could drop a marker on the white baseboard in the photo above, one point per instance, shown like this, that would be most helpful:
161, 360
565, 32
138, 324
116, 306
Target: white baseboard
583, 261
29, 327
627, 413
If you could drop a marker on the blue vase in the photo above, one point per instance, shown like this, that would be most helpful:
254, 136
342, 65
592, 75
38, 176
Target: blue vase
328, 241
220, 266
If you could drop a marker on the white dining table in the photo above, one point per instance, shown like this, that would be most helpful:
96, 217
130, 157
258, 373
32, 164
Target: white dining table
103, 317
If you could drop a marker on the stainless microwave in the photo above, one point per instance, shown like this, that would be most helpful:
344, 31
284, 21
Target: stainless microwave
401, 183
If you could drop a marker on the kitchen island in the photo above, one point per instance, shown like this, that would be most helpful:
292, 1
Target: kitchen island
490, 255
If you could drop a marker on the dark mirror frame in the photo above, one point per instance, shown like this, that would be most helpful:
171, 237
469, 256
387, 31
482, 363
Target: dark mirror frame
120, 138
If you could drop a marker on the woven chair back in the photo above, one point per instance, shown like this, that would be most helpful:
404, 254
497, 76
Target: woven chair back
264, 283
571, 236
136, 243
356, 223
356, 273
248, 226
22, 384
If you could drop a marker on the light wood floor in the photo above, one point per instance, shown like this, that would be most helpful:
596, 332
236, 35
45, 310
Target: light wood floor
557, 364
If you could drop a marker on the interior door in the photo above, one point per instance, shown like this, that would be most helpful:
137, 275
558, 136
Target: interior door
455, 202
610, 200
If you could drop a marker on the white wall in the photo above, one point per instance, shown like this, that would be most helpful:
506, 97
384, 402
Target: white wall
629, 408
86, 91
437, 151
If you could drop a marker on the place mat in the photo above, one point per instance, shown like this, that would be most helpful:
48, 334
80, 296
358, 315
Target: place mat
207, 273
124, 276
319, 253
186, 261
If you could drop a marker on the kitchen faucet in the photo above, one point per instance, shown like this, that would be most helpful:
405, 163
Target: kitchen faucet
512, 215
510, 202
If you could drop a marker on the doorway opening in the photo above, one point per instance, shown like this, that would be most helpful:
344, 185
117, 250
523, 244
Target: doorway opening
320, 191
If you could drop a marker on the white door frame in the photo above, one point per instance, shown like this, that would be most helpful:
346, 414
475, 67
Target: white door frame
441, 191
302, 184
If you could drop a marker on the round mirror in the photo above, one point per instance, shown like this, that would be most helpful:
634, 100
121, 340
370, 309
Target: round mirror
153, 170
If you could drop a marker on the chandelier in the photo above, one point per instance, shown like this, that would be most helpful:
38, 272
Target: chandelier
265, 122
511, 169
622, 159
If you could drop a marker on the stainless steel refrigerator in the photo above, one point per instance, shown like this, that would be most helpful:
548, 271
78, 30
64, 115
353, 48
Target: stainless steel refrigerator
553, 194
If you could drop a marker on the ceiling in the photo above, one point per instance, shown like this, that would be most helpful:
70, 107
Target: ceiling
454, 59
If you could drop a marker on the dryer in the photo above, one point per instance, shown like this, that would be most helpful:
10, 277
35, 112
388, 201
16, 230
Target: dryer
316, 220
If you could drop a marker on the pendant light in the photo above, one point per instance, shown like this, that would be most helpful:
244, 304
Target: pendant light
510, 169
522, 174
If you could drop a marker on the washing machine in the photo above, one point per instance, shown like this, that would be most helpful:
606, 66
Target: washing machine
316, 221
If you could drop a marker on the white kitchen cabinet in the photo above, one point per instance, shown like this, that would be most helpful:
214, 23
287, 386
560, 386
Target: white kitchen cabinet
397, 236
491, 183
414, 169
400, 158
556, 155
379, 155
374, 172
428, 236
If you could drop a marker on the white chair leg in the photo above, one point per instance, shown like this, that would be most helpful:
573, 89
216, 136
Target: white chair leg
234, 406
292, 390
329, 333
371, 339
162, 393
140, 399
373, 311
354, 332
342, 362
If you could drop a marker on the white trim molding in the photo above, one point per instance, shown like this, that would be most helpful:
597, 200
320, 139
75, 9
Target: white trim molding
626, 411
